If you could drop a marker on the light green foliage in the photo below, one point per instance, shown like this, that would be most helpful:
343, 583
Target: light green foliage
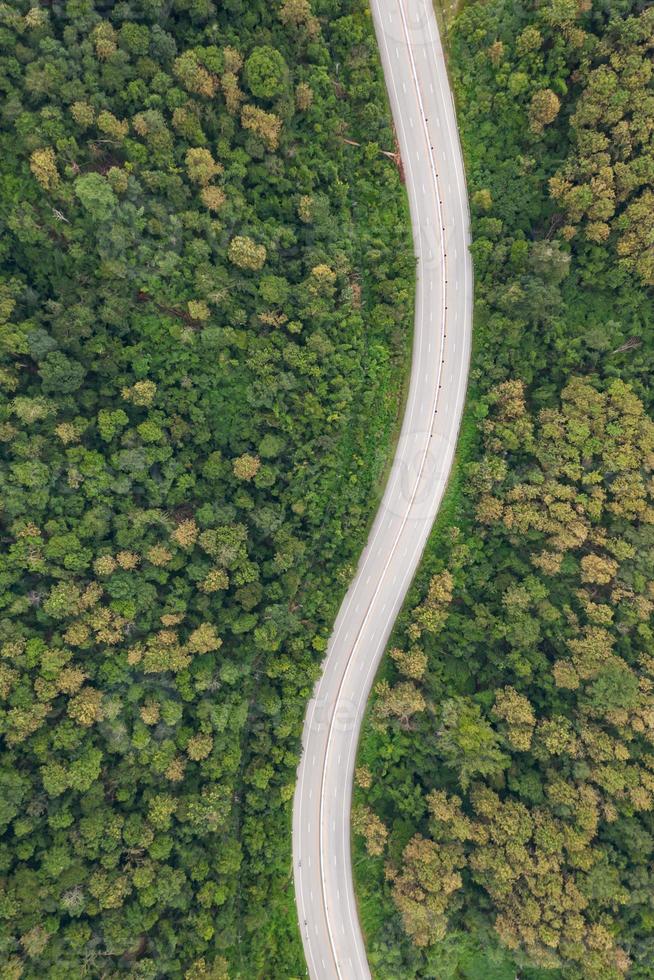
95, 195
265, 72
468, 743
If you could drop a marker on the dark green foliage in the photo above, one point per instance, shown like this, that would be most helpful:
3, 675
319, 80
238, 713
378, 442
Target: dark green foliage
205, 308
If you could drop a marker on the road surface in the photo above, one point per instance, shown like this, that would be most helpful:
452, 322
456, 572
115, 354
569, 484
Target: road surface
424, 115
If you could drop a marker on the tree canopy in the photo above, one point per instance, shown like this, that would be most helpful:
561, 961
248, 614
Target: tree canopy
507, 768
205, 299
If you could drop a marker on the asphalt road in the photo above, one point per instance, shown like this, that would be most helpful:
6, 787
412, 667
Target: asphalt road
424, 116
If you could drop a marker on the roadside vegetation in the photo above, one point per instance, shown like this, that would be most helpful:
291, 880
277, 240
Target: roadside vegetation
206, 302
504, 810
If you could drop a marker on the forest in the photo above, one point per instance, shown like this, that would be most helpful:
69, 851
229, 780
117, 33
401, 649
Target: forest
206, 301
504, 810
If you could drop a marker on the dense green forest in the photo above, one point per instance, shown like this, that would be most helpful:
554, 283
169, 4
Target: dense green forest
206, 310
504, 811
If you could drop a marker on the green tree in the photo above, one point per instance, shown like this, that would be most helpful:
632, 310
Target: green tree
265, 72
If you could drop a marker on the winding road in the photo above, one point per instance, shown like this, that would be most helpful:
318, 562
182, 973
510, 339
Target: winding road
425, 120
